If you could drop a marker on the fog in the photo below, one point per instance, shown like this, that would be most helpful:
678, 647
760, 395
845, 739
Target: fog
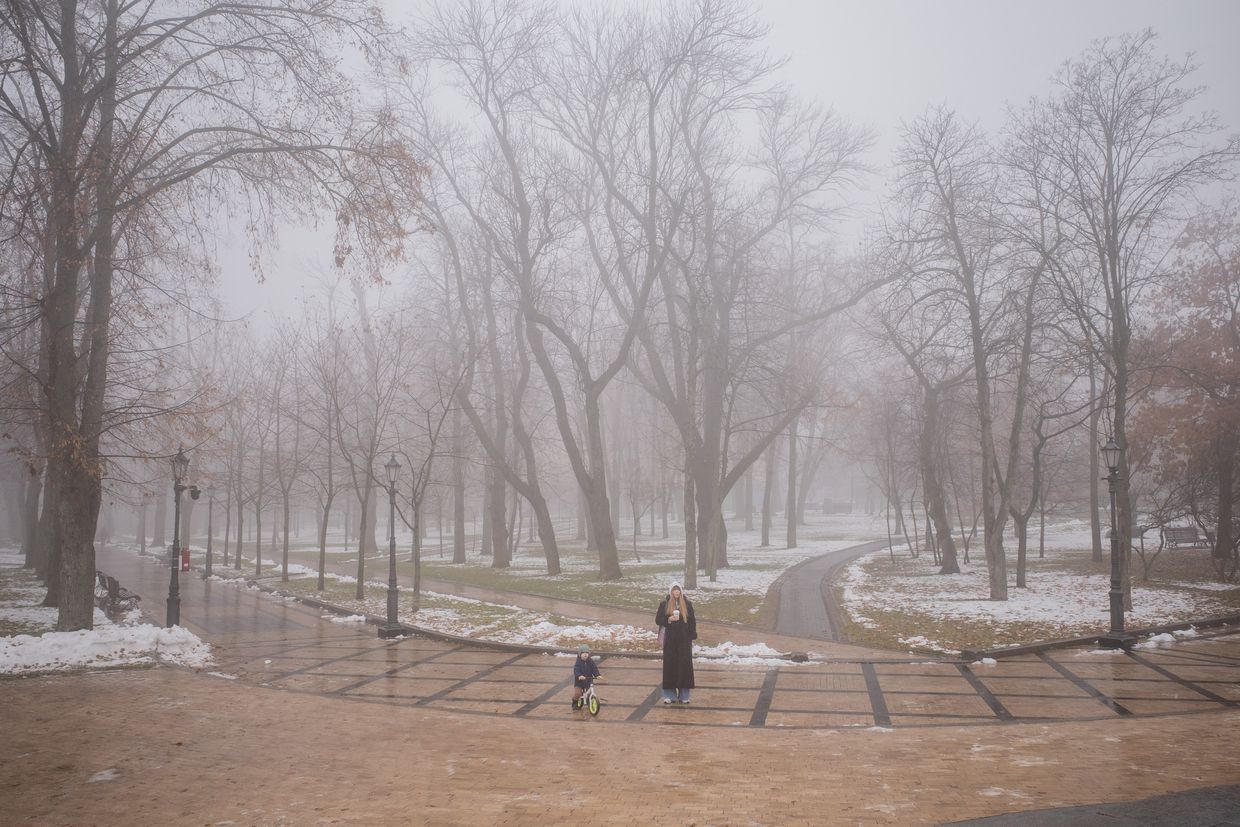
594, 272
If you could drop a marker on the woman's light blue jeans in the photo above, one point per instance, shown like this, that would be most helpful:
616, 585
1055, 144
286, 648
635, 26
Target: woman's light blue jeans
681, 695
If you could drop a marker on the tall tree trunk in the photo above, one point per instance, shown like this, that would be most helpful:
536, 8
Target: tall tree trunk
663, 503
1021, 524
1120, 337
581, 516
258, 517
790, 501
690, 514
597, 496
187, 512
768, 492
499, 522
369, 522
487, 536
30, 519
240, 518
367, 508
284, 553
159, 535
1095, 469
932, 483
48, 562
227, 522
746, 500
82, 492
61, 301
1041, 527
1229, 444
458, 488
809, 472
320, 584
139, 537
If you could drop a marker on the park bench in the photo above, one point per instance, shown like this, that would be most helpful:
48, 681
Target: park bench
1177, 536
111, 595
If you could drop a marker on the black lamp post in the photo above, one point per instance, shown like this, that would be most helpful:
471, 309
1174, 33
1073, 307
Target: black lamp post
1116, 638
146, 500
393, 627
210, 520
180, 468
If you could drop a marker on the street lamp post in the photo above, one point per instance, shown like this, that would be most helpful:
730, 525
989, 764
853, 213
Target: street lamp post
180, 468
1116, 638
146, 500
210, 526
393, 627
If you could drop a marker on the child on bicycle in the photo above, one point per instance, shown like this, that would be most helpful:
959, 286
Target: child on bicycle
585, 670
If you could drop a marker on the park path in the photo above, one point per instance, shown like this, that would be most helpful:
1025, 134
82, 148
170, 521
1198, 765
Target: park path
282, 644
305, 721
797, 633
807, 605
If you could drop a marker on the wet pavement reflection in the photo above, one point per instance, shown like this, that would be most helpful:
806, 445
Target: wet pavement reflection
286, 645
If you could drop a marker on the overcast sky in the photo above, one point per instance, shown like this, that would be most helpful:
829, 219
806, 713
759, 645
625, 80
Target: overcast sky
880, 62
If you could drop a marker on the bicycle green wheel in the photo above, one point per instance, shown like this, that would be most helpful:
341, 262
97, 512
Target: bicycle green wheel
593, 705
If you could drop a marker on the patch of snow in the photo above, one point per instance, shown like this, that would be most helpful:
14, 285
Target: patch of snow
1205, 587
753, 653
923, 642
348, 619
102, 647
874, 585
727, 648
110, 774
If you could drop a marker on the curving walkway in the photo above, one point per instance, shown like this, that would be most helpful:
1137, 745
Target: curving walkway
807, 606
288, 646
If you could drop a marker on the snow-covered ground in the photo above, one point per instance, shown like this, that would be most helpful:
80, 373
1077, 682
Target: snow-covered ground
466, 617
451, 615
751, 572
1054, 598
105, 645
126, 642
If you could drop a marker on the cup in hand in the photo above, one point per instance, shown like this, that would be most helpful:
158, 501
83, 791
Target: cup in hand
676, 614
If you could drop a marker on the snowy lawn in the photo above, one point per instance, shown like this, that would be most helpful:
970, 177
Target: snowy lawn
508, 624
737, 594
906, 603
28, 642
500, 623
468, 618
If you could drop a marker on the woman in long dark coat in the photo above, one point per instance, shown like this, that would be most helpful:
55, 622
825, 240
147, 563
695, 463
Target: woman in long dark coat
675, 616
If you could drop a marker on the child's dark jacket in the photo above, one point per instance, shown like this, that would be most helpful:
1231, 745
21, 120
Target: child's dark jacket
585, 667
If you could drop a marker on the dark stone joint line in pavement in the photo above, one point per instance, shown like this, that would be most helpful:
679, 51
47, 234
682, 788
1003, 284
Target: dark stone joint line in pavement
1104, 699
878, 703
996, 706
394, 670
471, 679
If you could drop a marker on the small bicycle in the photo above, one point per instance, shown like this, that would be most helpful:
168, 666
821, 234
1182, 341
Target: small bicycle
590, 699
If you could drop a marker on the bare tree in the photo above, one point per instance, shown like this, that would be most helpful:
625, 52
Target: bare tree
126, 105
1127, 149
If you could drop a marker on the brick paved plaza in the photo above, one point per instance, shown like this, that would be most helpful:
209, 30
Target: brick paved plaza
304, 721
